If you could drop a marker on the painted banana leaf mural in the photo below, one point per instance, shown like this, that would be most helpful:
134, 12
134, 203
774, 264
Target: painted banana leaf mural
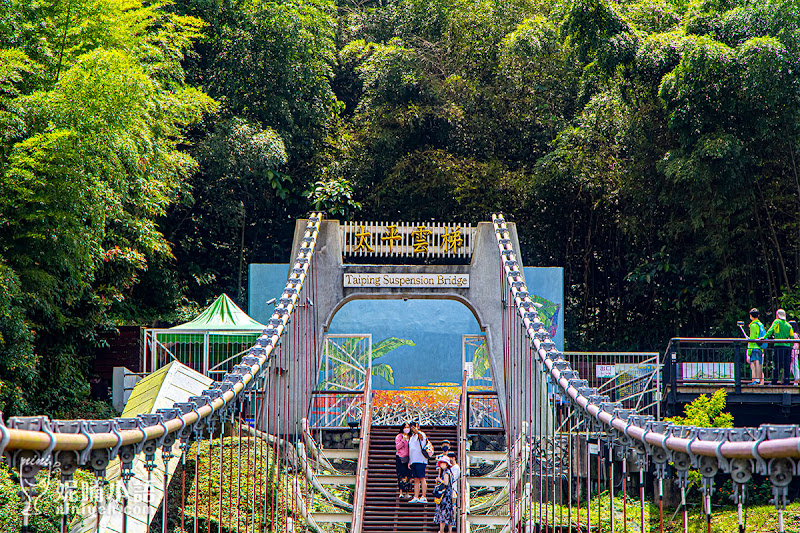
382, 348
480, 363
346, 362
548, 313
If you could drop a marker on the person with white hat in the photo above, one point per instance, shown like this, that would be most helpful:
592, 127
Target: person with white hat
781, 329
445, 513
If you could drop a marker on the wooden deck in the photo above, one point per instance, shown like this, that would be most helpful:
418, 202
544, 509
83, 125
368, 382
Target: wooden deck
707, 388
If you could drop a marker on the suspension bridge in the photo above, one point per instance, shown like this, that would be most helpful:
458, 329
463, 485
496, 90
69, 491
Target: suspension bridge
245, 452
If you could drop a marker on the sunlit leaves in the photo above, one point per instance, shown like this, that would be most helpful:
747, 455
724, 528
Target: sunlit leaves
17, 361
652, 16
94, 94
390, 75
238, 148
658, 55
705, 412
769, 86
597, 33
334, 196
13, 65
699, 93
272, 63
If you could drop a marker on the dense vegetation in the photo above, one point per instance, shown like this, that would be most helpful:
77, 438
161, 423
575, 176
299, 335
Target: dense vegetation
149, 151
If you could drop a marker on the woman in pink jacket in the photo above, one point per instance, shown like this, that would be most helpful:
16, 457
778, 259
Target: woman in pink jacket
401, 461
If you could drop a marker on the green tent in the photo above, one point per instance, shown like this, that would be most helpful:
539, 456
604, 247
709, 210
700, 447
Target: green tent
227, 330
222, 319
222, 315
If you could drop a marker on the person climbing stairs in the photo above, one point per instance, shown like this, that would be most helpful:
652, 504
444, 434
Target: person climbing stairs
383, 511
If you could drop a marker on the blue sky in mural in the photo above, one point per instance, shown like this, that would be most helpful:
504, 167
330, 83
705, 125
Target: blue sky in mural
435, 326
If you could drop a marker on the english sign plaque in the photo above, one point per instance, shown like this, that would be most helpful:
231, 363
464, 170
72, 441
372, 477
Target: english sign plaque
400, 280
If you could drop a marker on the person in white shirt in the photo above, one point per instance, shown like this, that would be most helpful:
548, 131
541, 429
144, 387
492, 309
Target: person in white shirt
417, 463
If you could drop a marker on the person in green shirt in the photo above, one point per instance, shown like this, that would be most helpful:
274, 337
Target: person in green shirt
780, 329
755, 352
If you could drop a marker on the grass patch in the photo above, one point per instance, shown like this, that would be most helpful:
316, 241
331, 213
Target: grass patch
724, 519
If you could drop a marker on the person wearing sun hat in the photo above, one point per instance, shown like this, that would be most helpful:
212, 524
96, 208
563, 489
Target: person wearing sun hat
445, 514
781, 329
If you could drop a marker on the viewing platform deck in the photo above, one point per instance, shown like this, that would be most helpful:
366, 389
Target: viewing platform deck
695, 366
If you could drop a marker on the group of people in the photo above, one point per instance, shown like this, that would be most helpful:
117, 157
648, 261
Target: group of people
413, 451
785, 354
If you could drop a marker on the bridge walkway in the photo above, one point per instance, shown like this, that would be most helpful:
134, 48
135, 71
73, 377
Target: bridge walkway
383, 510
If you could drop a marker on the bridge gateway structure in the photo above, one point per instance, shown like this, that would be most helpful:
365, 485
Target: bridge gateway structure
554, 422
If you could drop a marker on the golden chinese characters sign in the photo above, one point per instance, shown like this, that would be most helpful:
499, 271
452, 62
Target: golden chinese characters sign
399, 280
407, 239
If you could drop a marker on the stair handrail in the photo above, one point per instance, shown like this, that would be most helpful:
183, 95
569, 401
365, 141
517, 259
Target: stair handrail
363, 456
463, 422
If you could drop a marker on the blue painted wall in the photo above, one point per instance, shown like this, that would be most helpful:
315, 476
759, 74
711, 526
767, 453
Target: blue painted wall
546, 285
435, 326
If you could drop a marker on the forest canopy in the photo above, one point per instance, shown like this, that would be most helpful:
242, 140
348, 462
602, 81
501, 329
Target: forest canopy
149, 150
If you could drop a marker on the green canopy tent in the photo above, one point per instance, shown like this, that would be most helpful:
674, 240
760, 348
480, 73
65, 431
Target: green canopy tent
212, 343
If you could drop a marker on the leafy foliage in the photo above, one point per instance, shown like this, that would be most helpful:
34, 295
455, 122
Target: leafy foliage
705, 412
47, 504
95, 95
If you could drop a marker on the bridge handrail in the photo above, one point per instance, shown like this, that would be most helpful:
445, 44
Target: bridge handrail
640, 428
360, 490
257, 358
463, 422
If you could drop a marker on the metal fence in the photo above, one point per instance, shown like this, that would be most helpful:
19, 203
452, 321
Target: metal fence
345, 372
632, 379
483, 408
212, 353
331, 409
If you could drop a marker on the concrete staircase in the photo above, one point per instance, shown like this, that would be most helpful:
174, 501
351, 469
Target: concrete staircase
383, 511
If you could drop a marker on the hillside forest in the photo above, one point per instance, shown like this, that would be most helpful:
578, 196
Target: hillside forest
150, 150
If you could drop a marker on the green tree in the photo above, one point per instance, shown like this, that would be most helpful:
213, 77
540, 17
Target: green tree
96, 96
270, 65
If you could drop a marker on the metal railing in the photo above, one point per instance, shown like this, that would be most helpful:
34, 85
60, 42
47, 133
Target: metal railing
630, 378
335, 409
363, 456
483, 410
463, 422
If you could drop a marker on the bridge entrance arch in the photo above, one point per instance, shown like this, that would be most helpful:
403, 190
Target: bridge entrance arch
473, 275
